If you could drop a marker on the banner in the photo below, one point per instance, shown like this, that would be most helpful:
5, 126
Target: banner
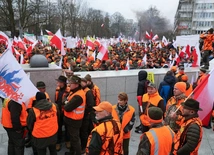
14, 82
151, 77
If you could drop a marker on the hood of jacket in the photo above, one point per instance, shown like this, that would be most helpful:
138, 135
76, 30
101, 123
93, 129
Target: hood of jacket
43, 105
169, 79
142, 75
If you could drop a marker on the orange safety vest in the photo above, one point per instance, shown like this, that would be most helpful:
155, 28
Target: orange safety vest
78, 113
96, 93
161, 140
149, 101
189, 91
46, 124
112, 140
33, 99
6, 116
127, 116
180, 137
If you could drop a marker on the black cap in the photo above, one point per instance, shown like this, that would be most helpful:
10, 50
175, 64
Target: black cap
62, 79
40, 84
40, 96
203, 70
191, 104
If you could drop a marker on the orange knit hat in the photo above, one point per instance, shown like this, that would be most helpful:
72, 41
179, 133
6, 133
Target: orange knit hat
184, 78
181, 86
173, 68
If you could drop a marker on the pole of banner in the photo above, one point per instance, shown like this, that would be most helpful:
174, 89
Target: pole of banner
184, 101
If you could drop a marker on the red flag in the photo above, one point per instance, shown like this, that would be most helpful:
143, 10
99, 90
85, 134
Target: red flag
89, 43
49, 33
28, 40
148, 35
58, 41
155, 37
103, 53
196, 56
97, 43
21, 44
188, 51
30, 48
203, 93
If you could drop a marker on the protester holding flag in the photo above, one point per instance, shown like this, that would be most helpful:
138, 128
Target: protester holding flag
188, 138
13, 120
202, 75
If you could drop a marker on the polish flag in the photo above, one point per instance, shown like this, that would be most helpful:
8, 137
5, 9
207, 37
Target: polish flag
31, 47
97, 43
177, 58
49, 33
102, 25
203, 93
196, 56
145, 58
182, 52
21, 44
58, 41
103, 53
28, 40
165, 41
127, 65
89, 43
148, 35
5, 38
15, 41
155, 37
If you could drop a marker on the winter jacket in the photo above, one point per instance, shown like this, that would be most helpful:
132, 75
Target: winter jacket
142, 77
208, 40
43, 105
166, 88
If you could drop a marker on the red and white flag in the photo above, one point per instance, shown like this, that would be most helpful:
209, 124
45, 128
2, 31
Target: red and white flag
103, 53
31, 47
196, 56
155, 37
165, 41
102, 25
188, 51
14, 82
58, 41
145, 59
203, 93
97, 43
28, 40
148, 36
49, 33
21, 44
127, 65
5, 39
89, 43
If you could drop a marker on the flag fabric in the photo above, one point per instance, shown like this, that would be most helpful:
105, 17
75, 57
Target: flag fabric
5, 39
28, 40
151, 34
165, 41
203, 93
31, 47
58, 41
155, 37
127, 65
14, 82
97, 43
49, 33
102, 25
196, 56
145, 58
187, 51
21, 44
148, 35
89, 43
103, 53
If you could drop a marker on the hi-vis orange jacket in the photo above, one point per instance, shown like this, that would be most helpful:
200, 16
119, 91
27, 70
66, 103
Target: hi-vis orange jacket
6, 116
111, 136
96, 93
33, 99
127, 116
149, 101
161, 140
46, 124
180, 137
78, 113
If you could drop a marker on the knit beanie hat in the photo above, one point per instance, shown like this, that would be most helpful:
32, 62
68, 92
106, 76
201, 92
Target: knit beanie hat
155, 115
88, 77
181, 86
40, 96
184, 78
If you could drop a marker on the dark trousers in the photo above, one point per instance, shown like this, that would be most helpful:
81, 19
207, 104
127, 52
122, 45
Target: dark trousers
84, 132
205, 58
59, 132
125, 146
16, 142
75, 148
52, 150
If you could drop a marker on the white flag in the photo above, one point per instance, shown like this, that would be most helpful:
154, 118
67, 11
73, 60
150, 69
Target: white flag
14, 82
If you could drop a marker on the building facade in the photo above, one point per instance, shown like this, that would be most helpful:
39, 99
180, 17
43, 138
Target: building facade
194, 17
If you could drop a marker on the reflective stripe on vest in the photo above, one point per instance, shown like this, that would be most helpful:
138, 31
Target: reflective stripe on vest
46, 123
6, 116
156, 136
78, 113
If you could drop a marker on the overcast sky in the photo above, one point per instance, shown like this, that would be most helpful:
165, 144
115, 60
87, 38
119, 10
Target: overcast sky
127, 7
